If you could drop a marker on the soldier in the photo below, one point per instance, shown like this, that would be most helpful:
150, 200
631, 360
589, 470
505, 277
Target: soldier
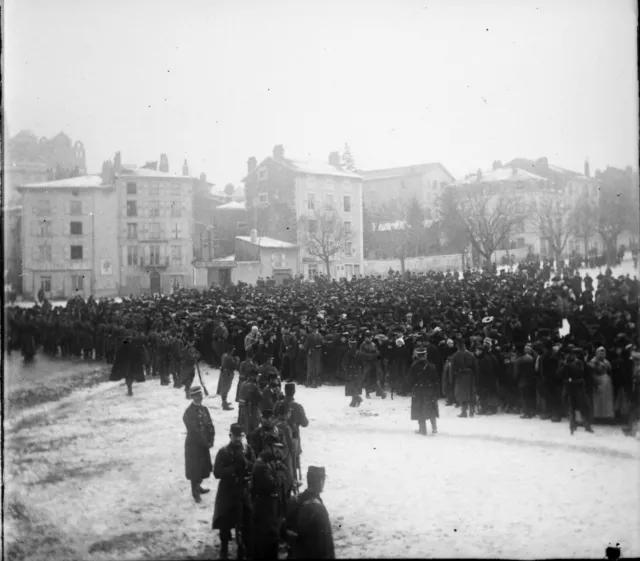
369, 357
127, 364
464, 369
188, 358
271, 394
283, 415
297, 419
573, 373
249, 400
424, 400
233, 466
267, 427
246, 366
288, 354
313, 350
267, 371
353, 372
229, 366
220, 336
200, 438
308, 526
398, 359
268, 483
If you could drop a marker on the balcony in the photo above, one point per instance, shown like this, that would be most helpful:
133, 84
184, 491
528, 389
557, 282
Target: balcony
156, 263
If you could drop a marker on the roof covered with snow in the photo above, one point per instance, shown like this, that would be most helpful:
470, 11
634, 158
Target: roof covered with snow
389, 173
502, 175
269, 243
232, 205
319, 168
80, 182
147, 172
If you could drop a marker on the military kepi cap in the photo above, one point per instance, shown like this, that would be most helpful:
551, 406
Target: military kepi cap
316, 472
267, 413
236, 429
289, 388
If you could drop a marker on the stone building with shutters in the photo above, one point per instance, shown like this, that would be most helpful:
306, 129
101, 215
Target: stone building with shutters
155, 218
262, 257
69, 237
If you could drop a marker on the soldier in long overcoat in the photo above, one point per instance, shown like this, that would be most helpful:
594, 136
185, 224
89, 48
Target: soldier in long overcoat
353, 372
199, 440
233, 466
249, 403
313, 350
288, 354
128, 363
229, 364
464, 369
425, 390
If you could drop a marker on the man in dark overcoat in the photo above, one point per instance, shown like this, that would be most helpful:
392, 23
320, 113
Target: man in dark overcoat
128, 363
200, 437
229, 364
313, 349
233, 466
425, 390
353, 373
288, 354
464, 370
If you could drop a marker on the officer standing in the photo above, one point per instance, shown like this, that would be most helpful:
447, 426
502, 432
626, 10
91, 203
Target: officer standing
424, 399
308, 526
200, 437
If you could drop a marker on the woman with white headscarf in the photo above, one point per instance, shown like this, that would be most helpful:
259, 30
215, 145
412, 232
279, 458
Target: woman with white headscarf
602, 386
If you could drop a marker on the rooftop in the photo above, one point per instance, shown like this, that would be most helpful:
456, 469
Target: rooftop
269, 243
502, 175
81, 182
232, 205
146, 172
389, 173
319, 168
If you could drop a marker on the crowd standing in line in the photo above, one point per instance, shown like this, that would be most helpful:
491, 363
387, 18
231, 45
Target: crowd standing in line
485, 342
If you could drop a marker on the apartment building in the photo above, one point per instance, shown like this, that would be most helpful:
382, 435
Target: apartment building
286, 198
69, 237
155, 228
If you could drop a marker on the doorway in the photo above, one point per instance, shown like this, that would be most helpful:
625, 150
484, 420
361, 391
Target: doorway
225, 277
154, 282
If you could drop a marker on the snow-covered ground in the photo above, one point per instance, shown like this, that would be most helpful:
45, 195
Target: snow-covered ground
101, 476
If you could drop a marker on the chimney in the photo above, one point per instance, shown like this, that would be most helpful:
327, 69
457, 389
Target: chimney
586, 168
497, 164
479, 175
107, 172
151, 165
278, 152
185, 168
164, 163
117, 163
252, 164
334, 159
254, 235
203, 177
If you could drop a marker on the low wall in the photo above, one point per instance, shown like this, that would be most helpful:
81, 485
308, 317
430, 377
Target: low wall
418, 264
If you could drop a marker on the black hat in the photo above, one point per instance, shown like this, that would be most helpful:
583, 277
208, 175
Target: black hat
316, 472
236, 429
267, 413
289, 388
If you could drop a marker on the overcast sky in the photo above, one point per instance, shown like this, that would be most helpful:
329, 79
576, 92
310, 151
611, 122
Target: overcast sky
463, 82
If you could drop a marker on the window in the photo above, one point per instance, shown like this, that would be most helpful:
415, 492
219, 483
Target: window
76, 228
44, 207
154, 255
154, 208
45, 228
44, 253
76, 208
132, 255
176, 189
176, 281
132, 208
348, 248
77, 282
262, 174
176, 255
346, 203
520, 243
176, 231
132, 188
154, 230
347, 227
328, 202
356, 270
313, 226
154, 190
45, 284
311, 201
76, 252
279, 260
132, 231
176, 209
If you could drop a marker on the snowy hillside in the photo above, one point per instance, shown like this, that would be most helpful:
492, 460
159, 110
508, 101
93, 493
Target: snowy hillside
101, 476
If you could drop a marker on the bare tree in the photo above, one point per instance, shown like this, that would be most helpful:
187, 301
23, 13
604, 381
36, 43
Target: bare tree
490, 217
323, 235
450, 223
584, 222
614, 216
554, 220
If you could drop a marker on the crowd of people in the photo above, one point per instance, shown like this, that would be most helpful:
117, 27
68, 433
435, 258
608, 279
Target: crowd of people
485, 342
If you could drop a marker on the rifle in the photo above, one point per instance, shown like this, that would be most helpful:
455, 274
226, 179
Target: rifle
204, 388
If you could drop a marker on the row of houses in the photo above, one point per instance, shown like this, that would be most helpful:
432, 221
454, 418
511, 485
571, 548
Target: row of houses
139, 230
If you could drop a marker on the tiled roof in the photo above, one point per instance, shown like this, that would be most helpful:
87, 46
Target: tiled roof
81, 182
268, 242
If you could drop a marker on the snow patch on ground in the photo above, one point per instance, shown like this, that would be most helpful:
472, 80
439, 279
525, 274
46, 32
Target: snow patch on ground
105, 472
